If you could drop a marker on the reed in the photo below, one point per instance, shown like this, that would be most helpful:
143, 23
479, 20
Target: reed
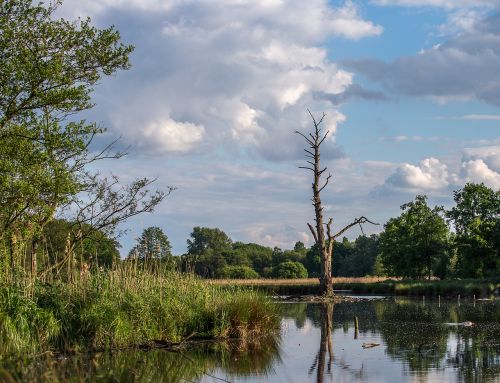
126, 307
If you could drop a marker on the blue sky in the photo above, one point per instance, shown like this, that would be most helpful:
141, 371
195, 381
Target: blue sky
410, 88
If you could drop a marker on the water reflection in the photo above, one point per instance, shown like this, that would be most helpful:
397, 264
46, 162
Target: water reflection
325, 344
319, 343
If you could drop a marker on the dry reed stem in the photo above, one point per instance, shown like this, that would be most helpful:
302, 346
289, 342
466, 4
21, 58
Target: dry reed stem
289, 282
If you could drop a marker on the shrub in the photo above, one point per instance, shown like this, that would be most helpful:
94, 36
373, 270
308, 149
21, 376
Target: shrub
238, 272
290, 270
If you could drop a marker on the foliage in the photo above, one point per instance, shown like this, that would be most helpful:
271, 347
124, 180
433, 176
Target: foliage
476, 218
204, 239
122, 308
290, 270
96, 249
49, 67
152, 244
238, 272
413, 242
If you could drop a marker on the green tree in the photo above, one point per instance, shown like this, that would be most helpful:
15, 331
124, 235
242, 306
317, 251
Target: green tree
207, 250
205, 238
412, 243
49, 67
153, 244
238, 272
250, 254
96, 249
290, 270
476, 219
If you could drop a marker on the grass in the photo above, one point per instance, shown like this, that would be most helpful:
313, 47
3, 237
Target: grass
117, 309
371, 285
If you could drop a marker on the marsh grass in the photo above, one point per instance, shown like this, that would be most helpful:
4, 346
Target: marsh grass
123, 308
370, 285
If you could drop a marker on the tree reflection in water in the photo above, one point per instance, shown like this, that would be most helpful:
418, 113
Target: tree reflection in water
325, 345
417, 341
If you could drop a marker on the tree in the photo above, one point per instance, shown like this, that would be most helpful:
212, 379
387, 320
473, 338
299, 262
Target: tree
96, 249
251, 254
324, 243
238, 272
299, 247
476, 219
412, 243
152, 245
207, 250
205, 238
290, 270
49, 67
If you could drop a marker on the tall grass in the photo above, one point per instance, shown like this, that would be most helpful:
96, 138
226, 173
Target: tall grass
371, 285
124, 308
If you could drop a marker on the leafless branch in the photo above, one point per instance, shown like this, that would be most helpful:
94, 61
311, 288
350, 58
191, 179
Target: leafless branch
358, 221
313, 232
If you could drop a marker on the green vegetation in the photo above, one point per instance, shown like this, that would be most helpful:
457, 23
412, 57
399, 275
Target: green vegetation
290, 270
119, 309
423, 242
62, 284
413, 243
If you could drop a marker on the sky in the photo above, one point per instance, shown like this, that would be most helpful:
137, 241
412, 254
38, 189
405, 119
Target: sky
217, 88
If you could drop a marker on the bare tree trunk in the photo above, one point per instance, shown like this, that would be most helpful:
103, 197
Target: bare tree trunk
325, 245
325, 346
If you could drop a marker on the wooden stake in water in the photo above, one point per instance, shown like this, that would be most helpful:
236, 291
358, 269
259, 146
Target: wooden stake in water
356, 327
474, 300
439, 300
458, 300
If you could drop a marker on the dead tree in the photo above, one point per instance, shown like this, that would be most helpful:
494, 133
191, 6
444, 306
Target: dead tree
323, 243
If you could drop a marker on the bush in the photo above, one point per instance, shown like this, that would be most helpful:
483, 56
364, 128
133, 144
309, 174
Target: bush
238, 272
290, 270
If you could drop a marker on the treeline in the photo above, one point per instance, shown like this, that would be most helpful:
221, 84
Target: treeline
422, 242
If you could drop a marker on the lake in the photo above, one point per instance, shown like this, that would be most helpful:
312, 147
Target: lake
405, 340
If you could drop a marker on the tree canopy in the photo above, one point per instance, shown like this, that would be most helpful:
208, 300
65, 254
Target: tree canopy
476, 219
412, 243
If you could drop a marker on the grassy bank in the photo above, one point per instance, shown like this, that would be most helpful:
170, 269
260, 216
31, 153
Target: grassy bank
371, 285
117, 309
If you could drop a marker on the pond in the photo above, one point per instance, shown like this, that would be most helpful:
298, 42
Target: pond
398, 340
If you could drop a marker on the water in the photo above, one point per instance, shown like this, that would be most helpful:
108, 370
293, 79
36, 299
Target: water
417, 342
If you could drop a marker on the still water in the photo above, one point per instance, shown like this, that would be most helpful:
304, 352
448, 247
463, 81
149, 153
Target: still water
413, 341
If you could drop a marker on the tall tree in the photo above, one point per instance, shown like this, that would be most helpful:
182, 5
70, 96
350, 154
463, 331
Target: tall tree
205, 238
476, 218
412, 243
207, 250
49, 67
153, 244
323, 242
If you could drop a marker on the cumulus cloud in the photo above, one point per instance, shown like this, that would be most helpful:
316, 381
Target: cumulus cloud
478, 171
463, 68
170, 135
429, 174
226, 73
482, 165
432, 175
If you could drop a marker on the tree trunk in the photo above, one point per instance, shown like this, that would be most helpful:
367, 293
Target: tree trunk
324, 245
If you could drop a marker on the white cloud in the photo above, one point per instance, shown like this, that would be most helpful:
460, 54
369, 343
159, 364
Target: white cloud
170, 136
229, 73
478, 171
429, 174
432, 175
